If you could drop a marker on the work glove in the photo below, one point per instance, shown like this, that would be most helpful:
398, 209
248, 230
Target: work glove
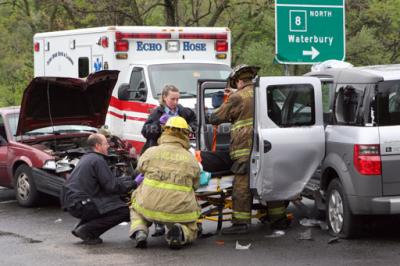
163, 119
139, 179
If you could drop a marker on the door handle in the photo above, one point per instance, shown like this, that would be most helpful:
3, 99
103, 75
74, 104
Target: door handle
267, 146
124, 117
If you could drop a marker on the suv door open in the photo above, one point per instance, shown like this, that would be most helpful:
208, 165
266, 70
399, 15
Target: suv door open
209, 97
289, 138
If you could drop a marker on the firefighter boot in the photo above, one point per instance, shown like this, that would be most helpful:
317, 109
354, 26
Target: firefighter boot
141, 239
175, 237
277, 215
281, 224
236, 229
159, 229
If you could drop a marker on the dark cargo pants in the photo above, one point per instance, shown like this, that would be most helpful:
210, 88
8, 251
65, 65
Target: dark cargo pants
220, 161
95, 224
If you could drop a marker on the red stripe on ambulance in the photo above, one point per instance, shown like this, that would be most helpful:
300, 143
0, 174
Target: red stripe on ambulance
139, 107
127, 117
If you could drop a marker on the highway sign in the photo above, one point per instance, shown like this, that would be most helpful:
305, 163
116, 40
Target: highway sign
309, 31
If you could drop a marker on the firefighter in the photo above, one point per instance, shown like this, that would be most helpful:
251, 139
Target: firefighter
238, 109
166, 195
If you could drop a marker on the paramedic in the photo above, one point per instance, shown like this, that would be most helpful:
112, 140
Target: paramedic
166, 195
169, 107
93, 194
238, 109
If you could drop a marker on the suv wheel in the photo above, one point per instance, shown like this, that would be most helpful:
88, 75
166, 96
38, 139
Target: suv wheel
25, 189
339, 217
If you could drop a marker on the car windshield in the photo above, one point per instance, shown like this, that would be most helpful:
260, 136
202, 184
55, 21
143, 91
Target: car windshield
184, 76
13, 122
388, 103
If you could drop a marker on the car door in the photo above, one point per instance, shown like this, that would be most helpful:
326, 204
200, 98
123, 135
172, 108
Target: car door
208, 92
289, 140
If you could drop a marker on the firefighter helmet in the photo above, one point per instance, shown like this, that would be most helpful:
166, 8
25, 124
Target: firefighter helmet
241, 71
177, 122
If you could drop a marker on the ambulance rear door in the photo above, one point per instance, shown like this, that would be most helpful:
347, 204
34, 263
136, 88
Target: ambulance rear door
289, 138
60, 60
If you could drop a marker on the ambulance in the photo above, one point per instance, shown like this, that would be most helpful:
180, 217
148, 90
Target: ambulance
148, 58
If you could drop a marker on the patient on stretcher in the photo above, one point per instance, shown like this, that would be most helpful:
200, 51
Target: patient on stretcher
215, 164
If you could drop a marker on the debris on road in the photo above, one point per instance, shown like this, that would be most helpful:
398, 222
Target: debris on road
306, 235
241, 247
276, 233
324, 226
333, 240
59, 220
313, 222
124, 223
220, 242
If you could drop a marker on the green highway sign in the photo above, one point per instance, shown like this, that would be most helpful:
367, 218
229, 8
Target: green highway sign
309, 31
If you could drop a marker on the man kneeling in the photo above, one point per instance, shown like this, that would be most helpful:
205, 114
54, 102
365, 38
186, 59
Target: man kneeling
166, 195
93, 194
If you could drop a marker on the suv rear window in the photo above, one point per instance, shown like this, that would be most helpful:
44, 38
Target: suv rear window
348, 100
388, 103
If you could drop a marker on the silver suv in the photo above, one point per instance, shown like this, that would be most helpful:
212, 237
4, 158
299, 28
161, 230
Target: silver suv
360, 174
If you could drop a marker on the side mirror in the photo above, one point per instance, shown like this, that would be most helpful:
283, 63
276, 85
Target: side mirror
3, 141
124, 92
142, 92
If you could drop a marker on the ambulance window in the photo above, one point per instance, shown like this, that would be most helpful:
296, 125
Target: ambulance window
137, 85
83, 67
291, 105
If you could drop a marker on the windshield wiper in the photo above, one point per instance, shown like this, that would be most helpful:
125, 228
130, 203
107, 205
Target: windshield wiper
185, 94
73, 130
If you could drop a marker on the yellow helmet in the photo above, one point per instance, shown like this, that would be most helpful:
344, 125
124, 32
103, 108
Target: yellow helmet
177, 122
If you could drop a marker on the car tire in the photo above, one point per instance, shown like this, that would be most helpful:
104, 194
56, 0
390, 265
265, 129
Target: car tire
341, 221
24, 186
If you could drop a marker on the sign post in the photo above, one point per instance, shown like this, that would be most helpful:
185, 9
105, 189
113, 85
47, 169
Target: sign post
309, 31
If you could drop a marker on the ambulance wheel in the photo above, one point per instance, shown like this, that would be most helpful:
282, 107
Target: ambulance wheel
25, 189
341, 221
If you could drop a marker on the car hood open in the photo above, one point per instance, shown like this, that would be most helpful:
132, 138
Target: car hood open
52, 101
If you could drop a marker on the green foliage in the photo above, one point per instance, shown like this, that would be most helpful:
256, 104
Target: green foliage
365, 49
372, 28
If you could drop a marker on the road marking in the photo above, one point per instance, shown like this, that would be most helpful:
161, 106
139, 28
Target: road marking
8, 201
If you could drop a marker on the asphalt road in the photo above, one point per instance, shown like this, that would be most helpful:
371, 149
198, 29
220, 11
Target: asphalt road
41, 236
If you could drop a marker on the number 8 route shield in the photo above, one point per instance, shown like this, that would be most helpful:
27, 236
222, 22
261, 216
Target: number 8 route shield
309, 31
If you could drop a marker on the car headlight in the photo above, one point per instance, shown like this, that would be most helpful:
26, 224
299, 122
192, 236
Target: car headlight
49, 165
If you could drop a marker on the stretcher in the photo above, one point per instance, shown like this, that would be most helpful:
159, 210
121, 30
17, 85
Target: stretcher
215, 200
216, 203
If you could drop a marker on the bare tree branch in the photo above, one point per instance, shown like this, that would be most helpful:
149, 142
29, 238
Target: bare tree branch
217, 13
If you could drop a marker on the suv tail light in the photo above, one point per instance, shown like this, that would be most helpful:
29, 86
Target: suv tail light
367, 159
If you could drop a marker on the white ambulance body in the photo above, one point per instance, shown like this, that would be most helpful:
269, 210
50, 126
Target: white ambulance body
148, 58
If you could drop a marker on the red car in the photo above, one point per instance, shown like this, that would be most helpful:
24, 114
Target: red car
42, 141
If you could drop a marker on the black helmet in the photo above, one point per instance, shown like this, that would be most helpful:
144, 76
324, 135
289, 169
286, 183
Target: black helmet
242, 71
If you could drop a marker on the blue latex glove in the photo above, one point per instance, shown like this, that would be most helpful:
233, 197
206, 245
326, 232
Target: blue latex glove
204, 178
163, 119
139, 179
